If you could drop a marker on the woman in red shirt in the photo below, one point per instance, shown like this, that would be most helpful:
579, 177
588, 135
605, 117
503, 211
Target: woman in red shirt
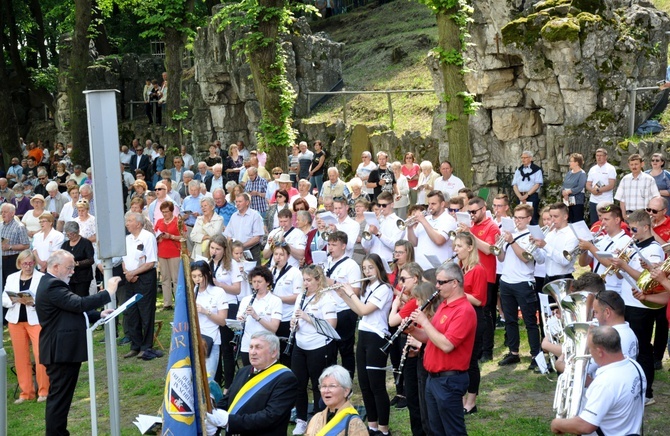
411, 170
475, 285
168, 242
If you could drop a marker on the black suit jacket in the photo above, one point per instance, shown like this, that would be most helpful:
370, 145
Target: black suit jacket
61, 315
268, 412
145, 163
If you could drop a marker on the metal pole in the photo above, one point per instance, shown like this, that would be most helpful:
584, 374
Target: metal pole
631, 110
131, 110
388, 97
344, 108
91, 378
309, 103
110, 354
3, 369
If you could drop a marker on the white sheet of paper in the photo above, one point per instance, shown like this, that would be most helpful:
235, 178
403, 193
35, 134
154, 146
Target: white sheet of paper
319, 257
119, 310
604, 255
371, 218
248, 266
234, 324
489, 214
541, 363
581, 230
247, 255
433, 260
463, 218
536, 232
328, 218
507, 224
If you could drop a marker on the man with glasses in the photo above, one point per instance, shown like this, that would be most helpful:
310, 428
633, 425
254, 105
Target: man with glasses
600, 183
636, 188
431, 234
517, 287
387, 234
41, 186
560, 239
294, 238
449, 339
640, 317
154, 213
613, 241
660, 223
340, 268
527, 182
449, 184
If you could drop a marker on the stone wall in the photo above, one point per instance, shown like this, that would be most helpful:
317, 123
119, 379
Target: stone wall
552, 76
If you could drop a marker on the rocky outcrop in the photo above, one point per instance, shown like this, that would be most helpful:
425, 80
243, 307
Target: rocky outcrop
223, 99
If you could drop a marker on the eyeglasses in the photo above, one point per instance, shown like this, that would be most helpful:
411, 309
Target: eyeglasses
27, 263
399, 253
160, 189
402, 279
521, 217
654, 211
633, 229
383, 205
474, 212
329, 387
453, 210
277, 174
656, 160
444, 282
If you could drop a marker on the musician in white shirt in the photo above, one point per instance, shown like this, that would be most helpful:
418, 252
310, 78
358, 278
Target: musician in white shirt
345, 223
560, 238
385, 236
613, 241
294, 238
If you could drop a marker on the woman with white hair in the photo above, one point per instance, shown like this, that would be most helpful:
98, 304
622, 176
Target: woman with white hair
401, 199
364, 169
357, 193
206, 226
335, 386
426, 180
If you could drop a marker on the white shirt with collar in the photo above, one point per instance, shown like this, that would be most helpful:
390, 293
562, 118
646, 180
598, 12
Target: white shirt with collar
611, 245
449, 186
601, 174
515, 270
140, 249
442, 224
351, 228
654, 254
290, 283
346, 272
389, 235
558, 241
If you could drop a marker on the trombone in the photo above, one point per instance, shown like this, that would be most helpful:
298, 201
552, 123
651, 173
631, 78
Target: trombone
528, 254
409, 222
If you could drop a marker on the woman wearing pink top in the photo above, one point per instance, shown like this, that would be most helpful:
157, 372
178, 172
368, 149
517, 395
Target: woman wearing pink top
411, 170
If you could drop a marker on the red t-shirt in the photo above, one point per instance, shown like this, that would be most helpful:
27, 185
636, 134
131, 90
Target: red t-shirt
663, 229
487, 231
457, 321
408, 308
475, 284
168, 248
416, 169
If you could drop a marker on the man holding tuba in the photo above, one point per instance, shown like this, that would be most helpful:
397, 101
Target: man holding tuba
613, 403
614, 241
640, 317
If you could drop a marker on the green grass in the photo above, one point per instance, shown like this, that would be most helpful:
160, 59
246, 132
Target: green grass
372, 35
512, 400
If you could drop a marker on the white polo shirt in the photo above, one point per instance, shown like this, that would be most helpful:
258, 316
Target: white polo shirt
268, 307
307, 337
346, 272
381, 295
443, 224
290, 283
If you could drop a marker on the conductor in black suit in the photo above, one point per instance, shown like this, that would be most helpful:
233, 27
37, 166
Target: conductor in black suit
63, 335
140, 161
267, 411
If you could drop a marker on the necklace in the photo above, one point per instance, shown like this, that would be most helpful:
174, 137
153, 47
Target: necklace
25, 282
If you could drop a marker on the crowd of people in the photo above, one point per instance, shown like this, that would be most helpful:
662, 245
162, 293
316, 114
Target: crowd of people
339, 267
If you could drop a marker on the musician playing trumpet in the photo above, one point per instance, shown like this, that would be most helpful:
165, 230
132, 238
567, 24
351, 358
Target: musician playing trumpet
313, 352
385, 236
294, 238
517, 286
613, 241
640, 317
559, 239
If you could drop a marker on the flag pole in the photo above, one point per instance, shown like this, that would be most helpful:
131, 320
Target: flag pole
202, 386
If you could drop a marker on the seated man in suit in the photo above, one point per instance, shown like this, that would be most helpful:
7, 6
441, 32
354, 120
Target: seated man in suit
63, 336
265, 411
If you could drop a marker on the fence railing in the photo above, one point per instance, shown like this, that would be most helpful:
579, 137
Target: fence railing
632, 96
344, 95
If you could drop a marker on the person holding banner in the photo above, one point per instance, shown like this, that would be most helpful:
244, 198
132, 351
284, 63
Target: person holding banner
260, 399
340, 417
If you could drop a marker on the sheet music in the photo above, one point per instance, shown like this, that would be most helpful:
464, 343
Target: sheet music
464, 218
581, 231
323, 327
328, 218
507, 224
371, 218
536, 232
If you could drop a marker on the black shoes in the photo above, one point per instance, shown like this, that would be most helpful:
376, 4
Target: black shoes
485, 358
509, 359
402, 403
470, 412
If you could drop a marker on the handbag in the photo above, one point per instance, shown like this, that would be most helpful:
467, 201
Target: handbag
209, 343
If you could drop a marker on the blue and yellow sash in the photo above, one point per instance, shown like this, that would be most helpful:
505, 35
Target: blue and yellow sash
339, 422
254, 385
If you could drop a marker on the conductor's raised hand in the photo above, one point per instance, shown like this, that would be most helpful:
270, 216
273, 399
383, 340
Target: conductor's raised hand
113, 285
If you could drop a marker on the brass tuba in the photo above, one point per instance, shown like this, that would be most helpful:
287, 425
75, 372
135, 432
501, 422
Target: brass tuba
649, 286
570, 385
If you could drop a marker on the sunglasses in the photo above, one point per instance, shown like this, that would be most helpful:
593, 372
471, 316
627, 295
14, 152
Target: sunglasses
383, 205
474, 212
454, 210
633, 229
654, 211
600, 298
444, 282
160, 189
402, 279
656, 160
277, 174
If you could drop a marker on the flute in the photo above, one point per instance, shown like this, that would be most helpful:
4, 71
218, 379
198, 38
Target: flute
406, 322
339, 285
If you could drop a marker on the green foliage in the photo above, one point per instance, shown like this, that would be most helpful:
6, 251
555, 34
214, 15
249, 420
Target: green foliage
46, 78
450, 57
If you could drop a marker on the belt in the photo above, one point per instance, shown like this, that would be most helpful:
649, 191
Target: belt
445, 373
524, 193
630, 211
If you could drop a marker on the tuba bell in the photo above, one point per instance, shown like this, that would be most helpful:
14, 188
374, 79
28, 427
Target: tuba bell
649, 286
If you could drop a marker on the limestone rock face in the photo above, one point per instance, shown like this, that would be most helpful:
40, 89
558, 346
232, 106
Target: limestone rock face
223, 80
552, 77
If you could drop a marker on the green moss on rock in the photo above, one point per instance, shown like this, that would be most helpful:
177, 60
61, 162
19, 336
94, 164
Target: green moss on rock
525, 30
561, 29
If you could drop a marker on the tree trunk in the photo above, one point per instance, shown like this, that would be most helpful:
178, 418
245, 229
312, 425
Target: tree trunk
79, 61
9, 128
36, 11
13, 44
460, 152
264, 71
174, 52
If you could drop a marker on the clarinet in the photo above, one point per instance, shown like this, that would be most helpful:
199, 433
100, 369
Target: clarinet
291, 336
406, 322
398, 372
238, 339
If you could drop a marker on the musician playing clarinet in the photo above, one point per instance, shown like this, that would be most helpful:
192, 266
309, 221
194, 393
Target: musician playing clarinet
313, 352
287, 286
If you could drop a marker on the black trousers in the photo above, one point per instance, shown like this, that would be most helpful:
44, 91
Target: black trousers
346, 328
395, 353
373, 381
226, 373
661, 334
422, 377
413, 394
63, 382
520, 295
490, 317
575, 213
473, 370
282, 333
141, 315
535, 201
307, 365
642, 323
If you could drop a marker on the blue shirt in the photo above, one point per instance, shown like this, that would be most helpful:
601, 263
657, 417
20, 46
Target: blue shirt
225, 211
192, 204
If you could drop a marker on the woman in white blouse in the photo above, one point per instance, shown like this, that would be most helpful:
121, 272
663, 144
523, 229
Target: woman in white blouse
46, 241
401, 199
86, 222
287, 286
206, 226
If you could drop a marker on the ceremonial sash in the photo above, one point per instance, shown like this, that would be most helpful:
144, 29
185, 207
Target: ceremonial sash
339, 422
254, 385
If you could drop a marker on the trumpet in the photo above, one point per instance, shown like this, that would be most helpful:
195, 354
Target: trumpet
406, 322
624, 255
409, 222
452, 235
277, 239
366, 235
325, 236
528, 254
497, 248
339, 285
570, 255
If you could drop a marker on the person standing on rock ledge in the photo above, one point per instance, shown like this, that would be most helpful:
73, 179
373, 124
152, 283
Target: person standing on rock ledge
527, 183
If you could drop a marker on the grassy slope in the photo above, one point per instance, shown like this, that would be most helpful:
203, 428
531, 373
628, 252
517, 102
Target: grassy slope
371, 34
